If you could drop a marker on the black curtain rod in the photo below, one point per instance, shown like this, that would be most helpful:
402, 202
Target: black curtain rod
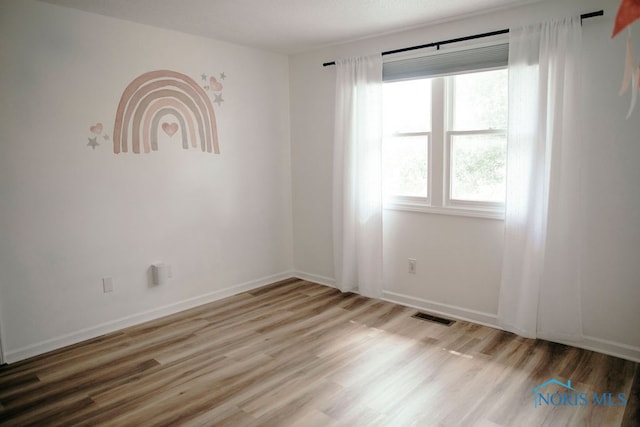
462, 39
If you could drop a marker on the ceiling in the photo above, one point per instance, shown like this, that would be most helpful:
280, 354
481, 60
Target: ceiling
287, 26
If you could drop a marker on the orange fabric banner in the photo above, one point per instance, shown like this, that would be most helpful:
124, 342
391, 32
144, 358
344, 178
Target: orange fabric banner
628, 12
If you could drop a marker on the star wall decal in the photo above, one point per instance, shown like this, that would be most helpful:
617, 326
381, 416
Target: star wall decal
204, 76
93, 142
218, 99
223, 76
105, 137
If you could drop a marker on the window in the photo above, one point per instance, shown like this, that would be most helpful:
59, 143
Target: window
476, 138
407, 138
445, 141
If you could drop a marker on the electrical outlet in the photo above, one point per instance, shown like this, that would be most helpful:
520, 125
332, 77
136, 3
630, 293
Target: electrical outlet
107, 284
412, 266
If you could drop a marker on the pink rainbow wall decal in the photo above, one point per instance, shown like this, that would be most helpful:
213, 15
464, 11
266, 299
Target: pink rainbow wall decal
158, 93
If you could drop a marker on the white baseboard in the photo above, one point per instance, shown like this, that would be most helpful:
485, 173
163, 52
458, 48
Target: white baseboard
322, 280
482, 318
138, 318
417, 303
599, 345
589, 343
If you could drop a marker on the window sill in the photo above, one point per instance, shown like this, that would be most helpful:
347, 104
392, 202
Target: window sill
496, 214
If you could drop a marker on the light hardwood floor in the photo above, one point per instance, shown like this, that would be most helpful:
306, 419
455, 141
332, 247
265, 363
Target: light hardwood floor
298, 353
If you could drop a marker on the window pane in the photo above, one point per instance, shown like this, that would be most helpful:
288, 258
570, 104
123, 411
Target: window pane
405, 166
480, 100
407, 106
478, 166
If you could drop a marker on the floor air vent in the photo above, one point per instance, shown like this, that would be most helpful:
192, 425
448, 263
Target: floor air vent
436, 319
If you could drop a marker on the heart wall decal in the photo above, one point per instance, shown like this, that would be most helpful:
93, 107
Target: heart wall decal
215, 84
170, 128
97, 128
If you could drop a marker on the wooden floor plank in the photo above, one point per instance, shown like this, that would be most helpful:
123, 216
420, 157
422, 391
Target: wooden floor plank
299, 353
632, 413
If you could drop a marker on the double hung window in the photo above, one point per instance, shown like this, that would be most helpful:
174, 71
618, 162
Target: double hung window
445, 123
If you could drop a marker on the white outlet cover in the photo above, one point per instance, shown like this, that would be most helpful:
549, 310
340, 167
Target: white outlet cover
107, 284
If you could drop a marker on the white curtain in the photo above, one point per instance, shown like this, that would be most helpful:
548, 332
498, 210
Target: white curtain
540, 289
357, 180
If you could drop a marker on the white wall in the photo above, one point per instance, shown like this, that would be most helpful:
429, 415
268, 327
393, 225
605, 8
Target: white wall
70, 215
459, 259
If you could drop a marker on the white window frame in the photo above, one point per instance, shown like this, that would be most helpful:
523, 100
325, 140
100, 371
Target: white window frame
438, 200
460, 203
416, 200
